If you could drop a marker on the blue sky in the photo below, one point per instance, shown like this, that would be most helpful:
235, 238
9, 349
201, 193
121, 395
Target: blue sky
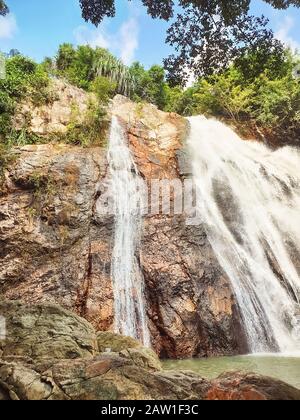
37, 27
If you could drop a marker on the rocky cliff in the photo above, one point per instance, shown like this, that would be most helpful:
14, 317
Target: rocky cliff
70, 104
56, 243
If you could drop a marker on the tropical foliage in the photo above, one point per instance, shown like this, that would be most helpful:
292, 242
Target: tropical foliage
149, 85
246, 92
82, 65
24, 79
113, 69
207, 35
268, 100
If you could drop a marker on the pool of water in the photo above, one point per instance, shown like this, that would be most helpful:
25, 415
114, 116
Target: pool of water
285, 368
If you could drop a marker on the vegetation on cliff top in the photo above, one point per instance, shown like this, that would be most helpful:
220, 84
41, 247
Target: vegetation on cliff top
266, 98
29, 82
263, 97
241, 72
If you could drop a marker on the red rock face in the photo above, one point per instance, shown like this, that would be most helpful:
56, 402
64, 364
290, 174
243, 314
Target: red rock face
56, 247
191, 307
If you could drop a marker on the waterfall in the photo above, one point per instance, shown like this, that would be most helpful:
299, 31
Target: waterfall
249, 201
128, 281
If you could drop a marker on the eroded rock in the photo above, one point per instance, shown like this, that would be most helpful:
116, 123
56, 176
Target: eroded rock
110, 377
191, 306
48, 236
45, 332
115, 343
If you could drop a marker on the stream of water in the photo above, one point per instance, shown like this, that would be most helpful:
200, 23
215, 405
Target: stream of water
249, 201
286, 369
128, 281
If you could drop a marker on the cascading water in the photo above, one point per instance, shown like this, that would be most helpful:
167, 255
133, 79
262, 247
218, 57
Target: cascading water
249, 200
128, 282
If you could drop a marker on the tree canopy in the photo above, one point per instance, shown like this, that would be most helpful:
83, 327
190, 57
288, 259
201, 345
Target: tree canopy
206, 35
3, 8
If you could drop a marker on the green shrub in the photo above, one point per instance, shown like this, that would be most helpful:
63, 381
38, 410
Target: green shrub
25, 80
104, 89
269, 100
92, 131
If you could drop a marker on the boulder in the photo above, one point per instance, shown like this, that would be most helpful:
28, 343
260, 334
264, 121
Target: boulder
109, 341
144, 357
248, 386
128, 348
44, 332
49, 353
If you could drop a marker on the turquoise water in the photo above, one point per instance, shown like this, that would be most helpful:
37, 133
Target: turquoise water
285, 368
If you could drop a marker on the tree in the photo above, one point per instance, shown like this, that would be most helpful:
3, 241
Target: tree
157, 86
3, 8
106, 65
82, 65
65, 56
268, 100
207, 35
13, 53
149, 86
104, 89
76, 64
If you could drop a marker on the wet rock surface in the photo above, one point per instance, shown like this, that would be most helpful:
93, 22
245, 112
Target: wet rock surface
56, 242
191, 306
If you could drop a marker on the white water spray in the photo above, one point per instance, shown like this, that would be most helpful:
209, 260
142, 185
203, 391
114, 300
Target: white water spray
128, 281
249, 200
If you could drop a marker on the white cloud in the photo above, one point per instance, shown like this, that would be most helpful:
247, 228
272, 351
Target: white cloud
94, 38
129, 40
284, 33
124, 42
8, 26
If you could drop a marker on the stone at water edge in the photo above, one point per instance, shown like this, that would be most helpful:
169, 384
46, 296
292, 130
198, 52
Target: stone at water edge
128, 348
115, 342
110, 377
250, 386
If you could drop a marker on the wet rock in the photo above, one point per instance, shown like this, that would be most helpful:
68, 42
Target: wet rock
190, 304
51, 354
184, 163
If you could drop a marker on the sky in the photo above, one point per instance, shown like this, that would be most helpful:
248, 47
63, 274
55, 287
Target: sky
37, 27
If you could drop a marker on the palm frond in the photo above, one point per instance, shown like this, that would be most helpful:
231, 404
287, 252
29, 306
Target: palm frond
115, 70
